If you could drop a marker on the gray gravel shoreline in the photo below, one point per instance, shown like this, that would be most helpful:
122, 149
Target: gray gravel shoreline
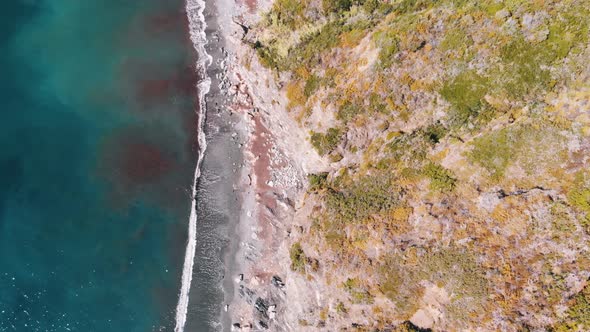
218, 204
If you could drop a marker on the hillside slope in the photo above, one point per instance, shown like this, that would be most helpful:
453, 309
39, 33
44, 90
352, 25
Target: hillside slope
457, 135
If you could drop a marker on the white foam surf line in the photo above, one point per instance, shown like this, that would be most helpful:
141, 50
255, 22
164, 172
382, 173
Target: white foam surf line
197, 26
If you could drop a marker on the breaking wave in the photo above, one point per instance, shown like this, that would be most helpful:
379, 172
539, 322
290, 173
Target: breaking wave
197, 26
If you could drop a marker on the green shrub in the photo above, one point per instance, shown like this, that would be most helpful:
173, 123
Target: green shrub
336, 157
377, 105
335, 6
578, 314
310, 49
366, 196
522, 72
532, 147
409, 6
569, 29
326, 143
288, 12
340, 6
384, 164
311, 85
525, 67
369, 6
298, 258
407, 326
441, 179
579, 198
493, 151
348, 111
559, 41
410, 147
455, 39
357, 292
561, 220
388, 43
318, 181
465, 93
435, 132
267, 56
340, 308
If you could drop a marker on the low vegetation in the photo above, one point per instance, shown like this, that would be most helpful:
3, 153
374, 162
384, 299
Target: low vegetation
579, 198
367, 196
318, 181
441, 179
298, 258
466, 94
357, 291
326, 143
578, 315
453, 269
530, 146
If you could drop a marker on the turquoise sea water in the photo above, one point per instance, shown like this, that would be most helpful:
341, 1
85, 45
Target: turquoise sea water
97, 154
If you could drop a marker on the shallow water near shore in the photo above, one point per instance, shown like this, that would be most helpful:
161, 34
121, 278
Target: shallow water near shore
98, 153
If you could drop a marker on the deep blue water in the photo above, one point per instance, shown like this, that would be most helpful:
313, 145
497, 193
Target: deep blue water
97, 154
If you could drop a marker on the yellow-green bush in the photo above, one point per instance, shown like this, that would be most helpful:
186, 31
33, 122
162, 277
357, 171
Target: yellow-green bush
288, 12
357, 291
318, 181
522, 71
298, 258
441, 179
465, 93
578, 314
579, 198
525, 145
368, 195
388, 43
494, 151
326, 143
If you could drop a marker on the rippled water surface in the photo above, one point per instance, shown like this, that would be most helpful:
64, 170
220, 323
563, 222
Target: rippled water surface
97, 154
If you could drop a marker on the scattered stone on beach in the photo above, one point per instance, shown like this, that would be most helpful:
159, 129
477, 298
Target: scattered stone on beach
277, 281
272, 311
261, 305
262, 325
